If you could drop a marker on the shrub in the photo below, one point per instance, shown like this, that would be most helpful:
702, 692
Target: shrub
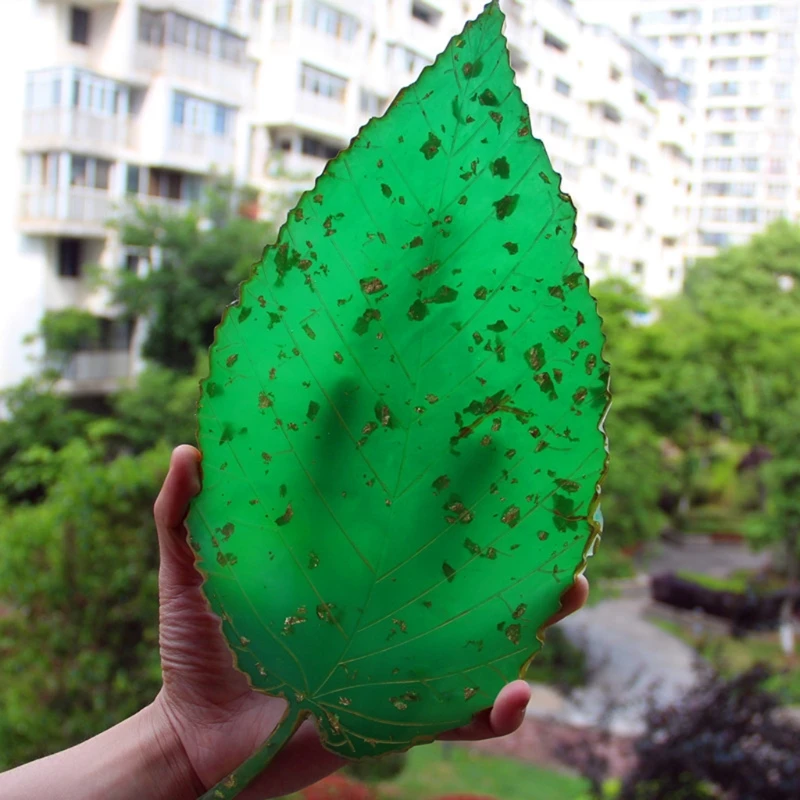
723, 740
383, 768
559, 663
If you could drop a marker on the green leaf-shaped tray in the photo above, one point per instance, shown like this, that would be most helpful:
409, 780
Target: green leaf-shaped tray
401, 430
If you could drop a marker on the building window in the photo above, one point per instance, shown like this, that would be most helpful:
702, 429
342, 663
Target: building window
610, 113
131, 263
607, 183
79, 25
724, 64
151, 27
721, 114
201, 116
132, 179
519, 62
638, 164
324, 84
220, 120
725, 40
756, 62
562, 87
615, 73
79, 169
329, 20
69, 258
202, 38
555, 43
604, 223
637, 268
720, 139
714, 239
102, 174
172, 185
559, 128
747, 215
178, 109
179, 34
783, 91
640, 200
371, 103
724, 88
424, 13
92, 173
603, 260
753, 114
311, 146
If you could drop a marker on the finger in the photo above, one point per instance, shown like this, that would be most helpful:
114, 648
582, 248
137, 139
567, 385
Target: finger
504, 717
572, 600
181, 484
508, 711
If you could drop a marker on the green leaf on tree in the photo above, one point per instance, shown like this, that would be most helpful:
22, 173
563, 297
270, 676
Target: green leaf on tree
383, 441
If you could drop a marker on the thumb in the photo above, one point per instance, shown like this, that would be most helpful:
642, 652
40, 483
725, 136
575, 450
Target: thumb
177, 571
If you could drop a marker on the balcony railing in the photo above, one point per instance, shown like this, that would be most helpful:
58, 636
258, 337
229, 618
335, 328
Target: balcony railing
316, 105
68, 127
191, 147
223, 78
168, 204
96, 371
74, 210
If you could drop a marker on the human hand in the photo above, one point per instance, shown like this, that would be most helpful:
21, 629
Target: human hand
208, 718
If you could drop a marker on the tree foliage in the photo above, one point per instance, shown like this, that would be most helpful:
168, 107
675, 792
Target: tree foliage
196, 260
78, 600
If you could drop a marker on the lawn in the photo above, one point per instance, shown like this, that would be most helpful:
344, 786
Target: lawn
429, 775
731, 655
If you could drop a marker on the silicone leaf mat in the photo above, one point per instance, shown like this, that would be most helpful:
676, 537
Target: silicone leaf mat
401, 428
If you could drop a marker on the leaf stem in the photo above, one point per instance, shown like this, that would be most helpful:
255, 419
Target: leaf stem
238, 780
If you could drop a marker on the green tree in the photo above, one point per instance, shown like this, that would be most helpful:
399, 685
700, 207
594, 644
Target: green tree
198, 259
38, 422
636, 475
78, 635
161, 407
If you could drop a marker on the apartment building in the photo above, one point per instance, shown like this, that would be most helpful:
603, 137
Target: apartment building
115, 101
741, 60
112, 103
615, 123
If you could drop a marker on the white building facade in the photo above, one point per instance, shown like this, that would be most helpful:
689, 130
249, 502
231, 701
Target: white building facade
741, 59
142, 99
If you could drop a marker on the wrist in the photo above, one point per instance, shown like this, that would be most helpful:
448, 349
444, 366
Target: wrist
164, 757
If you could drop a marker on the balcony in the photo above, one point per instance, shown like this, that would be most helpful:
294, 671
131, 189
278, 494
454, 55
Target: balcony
199, 152
211, 76
316, 113
70, 129
65, 211
96, 372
